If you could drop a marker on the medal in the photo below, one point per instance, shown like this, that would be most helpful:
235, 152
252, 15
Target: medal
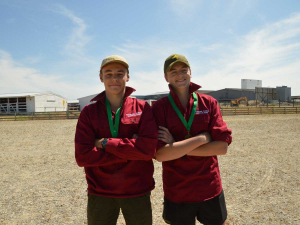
186, 124
113, 128
188, 136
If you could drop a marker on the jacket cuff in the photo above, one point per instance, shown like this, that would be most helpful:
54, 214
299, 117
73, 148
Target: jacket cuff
224, 138
112, 145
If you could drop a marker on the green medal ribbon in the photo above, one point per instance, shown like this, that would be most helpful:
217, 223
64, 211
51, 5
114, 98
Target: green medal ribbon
113, 128
186, 124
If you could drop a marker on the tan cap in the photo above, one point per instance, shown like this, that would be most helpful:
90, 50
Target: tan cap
114, 58
172, 59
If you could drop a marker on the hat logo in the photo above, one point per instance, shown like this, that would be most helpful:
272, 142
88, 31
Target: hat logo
175, 57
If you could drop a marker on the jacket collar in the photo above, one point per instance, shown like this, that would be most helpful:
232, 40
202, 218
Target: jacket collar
193, 87
101, 96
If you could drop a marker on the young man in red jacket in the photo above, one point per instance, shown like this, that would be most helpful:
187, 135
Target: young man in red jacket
115, 142
192, 133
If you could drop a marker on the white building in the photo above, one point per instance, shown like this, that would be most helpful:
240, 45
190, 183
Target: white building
84, 101
251, 84
73, 105
32, 102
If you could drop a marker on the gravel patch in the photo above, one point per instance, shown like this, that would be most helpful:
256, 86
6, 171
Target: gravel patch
42, 184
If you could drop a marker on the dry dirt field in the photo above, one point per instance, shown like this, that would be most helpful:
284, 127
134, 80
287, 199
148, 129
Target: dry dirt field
41, 184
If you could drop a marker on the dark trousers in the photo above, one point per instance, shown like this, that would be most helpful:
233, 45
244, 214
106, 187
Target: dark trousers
212, 212
105, 211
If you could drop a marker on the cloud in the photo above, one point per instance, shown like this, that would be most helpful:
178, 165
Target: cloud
33, 59
21, 76
78, 39
18, 78
271, 54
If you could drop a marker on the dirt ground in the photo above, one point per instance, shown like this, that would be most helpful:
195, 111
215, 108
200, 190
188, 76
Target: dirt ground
41, 183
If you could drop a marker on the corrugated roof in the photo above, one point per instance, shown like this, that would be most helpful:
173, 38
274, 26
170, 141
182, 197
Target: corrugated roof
73, 101
89, 96
28, 94
18, 95
234, 89
204, 91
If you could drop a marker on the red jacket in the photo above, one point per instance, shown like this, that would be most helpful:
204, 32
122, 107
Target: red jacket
191, 178
125, 168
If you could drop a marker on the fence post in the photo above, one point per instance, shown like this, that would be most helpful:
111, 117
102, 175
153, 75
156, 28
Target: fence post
67, 112
284, 110
260, 110
15, 116
248, 111
235, 111
273, 110
32, 115
296, 110
49, 116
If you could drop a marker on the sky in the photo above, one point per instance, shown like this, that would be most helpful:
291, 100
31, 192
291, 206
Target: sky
58, 46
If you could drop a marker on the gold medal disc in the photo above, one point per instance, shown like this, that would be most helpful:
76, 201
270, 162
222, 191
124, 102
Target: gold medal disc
188, 136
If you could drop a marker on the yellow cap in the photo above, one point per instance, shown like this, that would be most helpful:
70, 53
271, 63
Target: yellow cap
114, 58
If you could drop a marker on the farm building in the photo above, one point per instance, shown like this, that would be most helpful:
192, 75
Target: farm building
295, 98
269, 94
73, 105
232, 93
250, 83
84, 101
32, 102
284, 93
266, 94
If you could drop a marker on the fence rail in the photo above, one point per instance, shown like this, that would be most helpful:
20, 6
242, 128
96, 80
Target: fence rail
39, 116
261, 110
75, 114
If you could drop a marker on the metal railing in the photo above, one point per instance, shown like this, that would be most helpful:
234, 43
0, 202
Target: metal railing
75, 114
39, 116
260, 110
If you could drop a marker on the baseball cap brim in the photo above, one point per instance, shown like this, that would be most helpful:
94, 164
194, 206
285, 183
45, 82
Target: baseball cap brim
114, 59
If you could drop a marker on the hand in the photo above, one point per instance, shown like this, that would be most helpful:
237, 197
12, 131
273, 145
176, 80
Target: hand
98, 143
206, 137
165, 135
135, 136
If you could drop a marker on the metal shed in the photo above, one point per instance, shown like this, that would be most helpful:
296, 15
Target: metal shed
283, 93
232, 93
84, 101
32, 102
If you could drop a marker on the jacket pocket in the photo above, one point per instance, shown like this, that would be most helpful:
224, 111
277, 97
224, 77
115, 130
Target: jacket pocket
102, 129
130, 125
201, 121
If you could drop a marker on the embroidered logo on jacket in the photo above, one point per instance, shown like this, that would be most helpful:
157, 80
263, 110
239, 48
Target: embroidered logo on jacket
134, 114
202, 112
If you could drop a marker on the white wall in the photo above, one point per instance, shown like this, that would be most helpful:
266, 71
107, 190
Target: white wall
30, 104
49, 102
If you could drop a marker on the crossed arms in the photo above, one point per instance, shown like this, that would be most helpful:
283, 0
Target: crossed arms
200, 145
